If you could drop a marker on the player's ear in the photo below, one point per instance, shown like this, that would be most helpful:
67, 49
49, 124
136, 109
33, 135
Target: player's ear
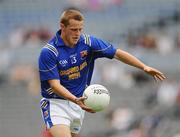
62, 26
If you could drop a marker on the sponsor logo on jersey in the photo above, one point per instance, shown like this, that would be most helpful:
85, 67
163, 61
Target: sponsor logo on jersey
83, 54
63, 63
73, 72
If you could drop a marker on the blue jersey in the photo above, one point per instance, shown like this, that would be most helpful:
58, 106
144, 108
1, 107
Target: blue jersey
72, 66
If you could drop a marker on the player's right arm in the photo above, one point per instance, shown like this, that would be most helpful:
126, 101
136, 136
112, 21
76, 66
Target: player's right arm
63, 92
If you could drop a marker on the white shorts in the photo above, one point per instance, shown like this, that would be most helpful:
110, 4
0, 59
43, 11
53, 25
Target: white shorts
58, 111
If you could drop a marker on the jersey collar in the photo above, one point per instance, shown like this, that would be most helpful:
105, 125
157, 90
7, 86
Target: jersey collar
59, 40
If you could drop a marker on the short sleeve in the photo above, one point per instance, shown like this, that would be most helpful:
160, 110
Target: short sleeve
48, 65
102, 48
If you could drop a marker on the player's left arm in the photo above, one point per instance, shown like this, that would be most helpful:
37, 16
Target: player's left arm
133, 61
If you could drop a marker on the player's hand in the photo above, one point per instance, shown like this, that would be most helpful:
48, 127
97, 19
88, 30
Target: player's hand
155, 73
80, 101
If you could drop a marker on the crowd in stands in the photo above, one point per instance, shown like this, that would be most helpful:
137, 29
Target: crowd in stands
162, 35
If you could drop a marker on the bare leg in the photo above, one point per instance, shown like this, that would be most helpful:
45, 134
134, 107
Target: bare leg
60, 131
74, 135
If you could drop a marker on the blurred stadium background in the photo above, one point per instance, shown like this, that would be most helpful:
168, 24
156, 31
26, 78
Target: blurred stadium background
149, 29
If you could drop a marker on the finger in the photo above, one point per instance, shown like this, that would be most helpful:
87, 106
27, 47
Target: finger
158, 72
164, 77
155, 78
160, 77
155, 71
161, 74
88, 109
83, 98
91, 111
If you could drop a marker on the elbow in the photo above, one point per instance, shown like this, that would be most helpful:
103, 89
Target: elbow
53, 84
119, 54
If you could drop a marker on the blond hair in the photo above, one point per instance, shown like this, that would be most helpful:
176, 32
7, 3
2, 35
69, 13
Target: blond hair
71, 14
